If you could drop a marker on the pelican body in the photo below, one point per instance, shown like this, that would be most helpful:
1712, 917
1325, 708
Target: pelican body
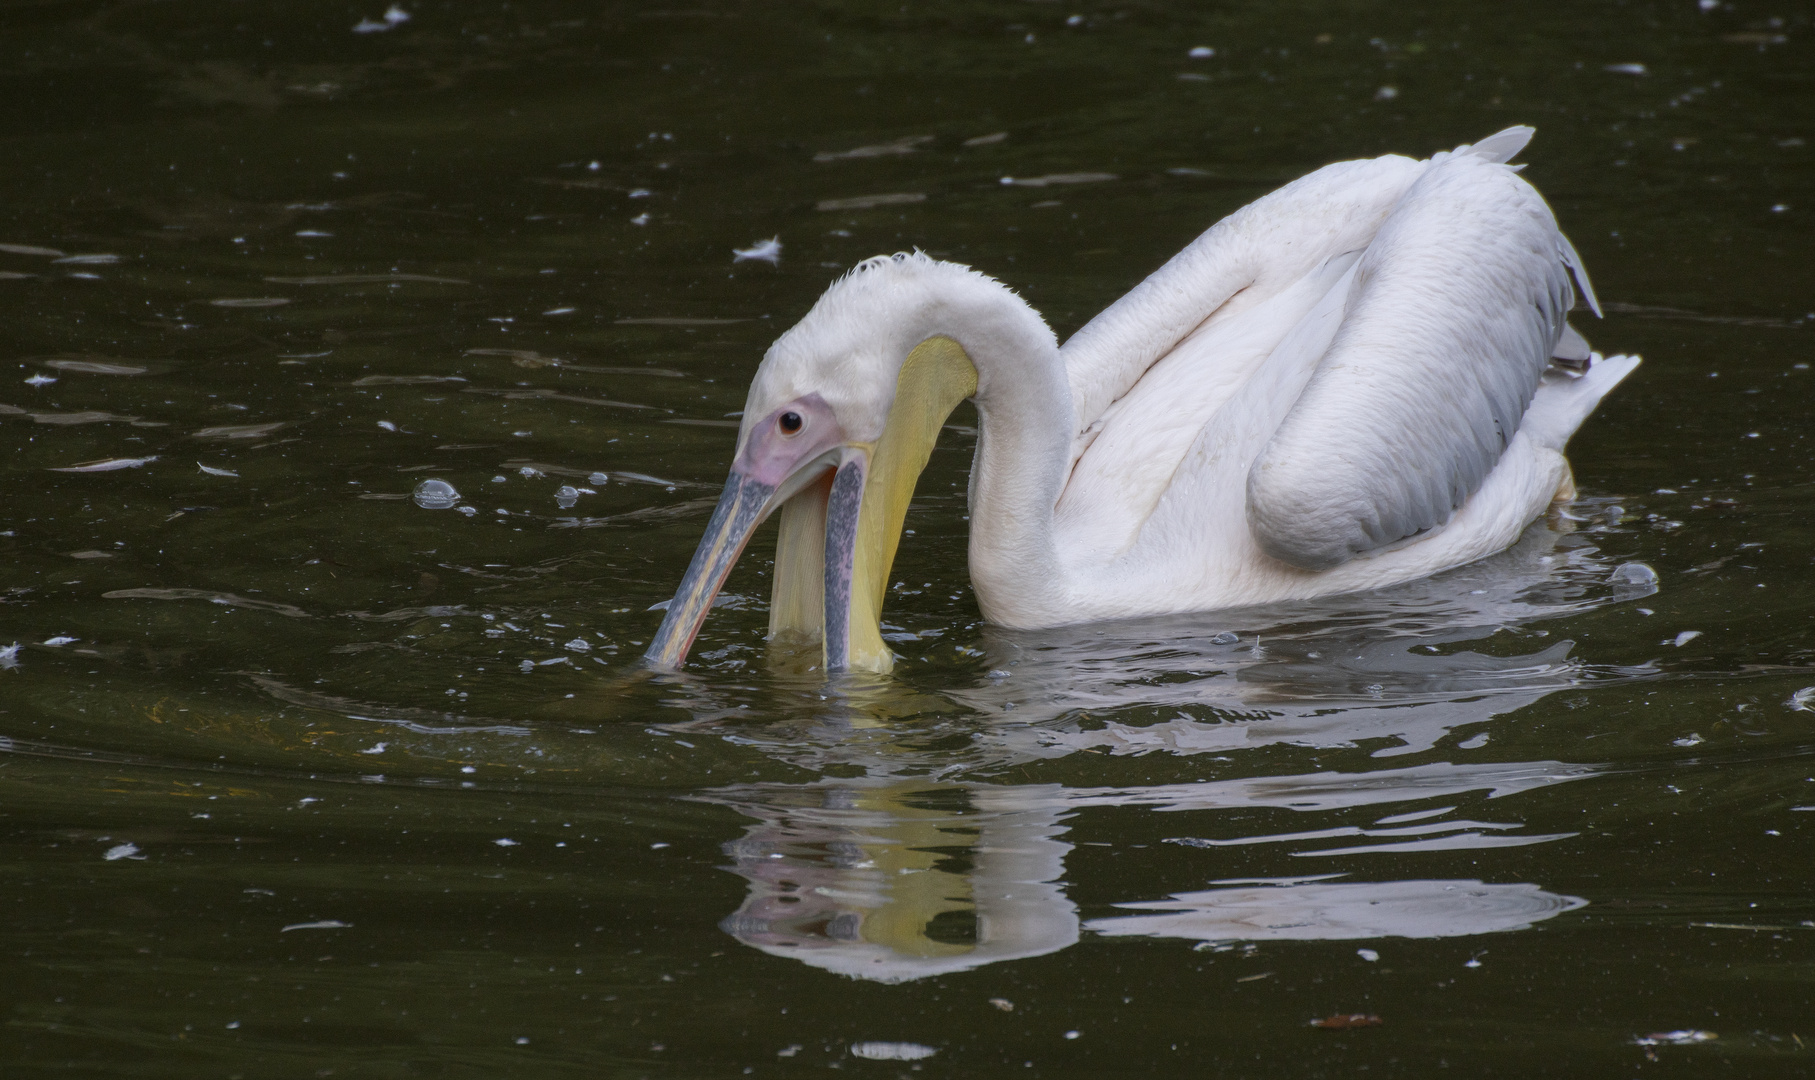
1360, 379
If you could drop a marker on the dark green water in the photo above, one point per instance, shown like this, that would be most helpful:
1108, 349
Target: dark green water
300, 779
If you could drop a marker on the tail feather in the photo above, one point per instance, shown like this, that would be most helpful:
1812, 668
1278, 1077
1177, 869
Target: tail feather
1501, 146
1563, 402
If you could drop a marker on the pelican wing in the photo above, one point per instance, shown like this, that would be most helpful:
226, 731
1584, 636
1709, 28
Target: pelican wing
1453, 314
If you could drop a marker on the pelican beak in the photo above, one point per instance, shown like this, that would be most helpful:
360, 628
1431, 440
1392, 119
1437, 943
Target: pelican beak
742, 507
782, 454
869, 497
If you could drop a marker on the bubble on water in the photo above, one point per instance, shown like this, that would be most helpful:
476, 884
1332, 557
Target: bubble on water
528, 471
1802, 700
1367, 954
1685, 638
598, 479
1201, 52
467, 510
122, 851
1225, 638
437, 495
1634, 576
566, 495
579, 645
9, 656
505, 842
527, 666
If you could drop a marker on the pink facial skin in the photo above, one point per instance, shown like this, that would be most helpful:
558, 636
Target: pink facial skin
772, 453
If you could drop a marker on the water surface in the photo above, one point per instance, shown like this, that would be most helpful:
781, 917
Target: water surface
303, 776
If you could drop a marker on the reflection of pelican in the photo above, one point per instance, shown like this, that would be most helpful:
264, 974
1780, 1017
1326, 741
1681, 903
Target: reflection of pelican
904, 880
898, 880
1327, 911
1345, 385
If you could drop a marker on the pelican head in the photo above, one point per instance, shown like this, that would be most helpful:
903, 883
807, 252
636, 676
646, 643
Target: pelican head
839, 423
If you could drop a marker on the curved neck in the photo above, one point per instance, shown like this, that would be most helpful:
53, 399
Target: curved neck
1024, 436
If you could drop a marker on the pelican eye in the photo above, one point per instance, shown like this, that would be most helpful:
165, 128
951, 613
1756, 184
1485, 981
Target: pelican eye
790, 422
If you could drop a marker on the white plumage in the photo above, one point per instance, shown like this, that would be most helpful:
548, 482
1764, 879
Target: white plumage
1346, 384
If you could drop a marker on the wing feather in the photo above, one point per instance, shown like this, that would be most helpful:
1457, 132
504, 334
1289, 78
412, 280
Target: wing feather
1454, 312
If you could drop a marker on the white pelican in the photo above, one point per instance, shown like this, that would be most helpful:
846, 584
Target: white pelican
1362, 378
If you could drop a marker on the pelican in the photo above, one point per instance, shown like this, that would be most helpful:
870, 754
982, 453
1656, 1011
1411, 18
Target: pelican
1360, 379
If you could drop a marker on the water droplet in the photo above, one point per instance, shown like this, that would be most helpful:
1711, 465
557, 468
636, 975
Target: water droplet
437, 495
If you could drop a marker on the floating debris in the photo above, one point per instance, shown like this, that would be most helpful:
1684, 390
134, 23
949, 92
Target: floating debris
9, 656
867, 202
122, 851
239, 431
364, 279
768, 251
1003, 1003
84, 366
212, 471
59, 640
905, 145
1685, 1037
1058, 178
394, 16
87, 416
1367, 954
40, 380
225, 598
1803, 700
405, 380
108, 464
1685, 638
892, 1051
